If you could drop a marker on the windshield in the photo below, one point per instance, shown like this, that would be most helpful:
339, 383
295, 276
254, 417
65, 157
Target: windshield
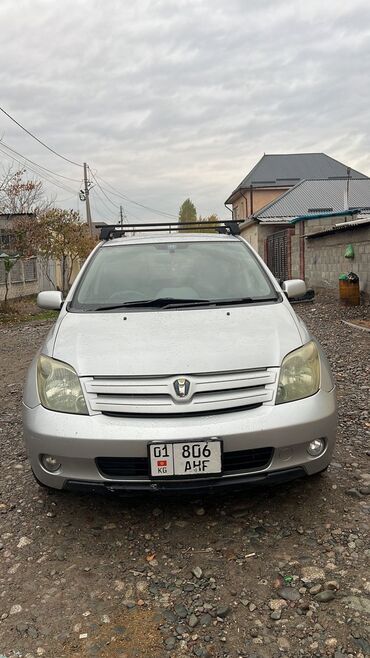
168, 273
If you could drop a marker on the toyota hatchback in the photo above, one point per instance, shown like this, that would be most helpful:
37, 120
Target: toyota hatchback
177, 363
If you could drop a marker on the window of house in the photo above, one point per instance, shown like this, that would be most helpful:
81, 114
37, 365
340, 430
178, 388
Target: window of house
30, 269
5, 239
16, 273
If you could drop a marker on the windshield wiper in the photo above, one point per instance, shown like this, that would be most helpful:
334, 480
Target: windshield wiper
172, 302
159, 302
244, 300
221, 302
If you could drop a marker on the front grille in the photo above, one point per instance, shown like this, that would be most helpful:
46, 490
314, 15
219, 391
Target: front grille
156, 396
237, 461
123, 466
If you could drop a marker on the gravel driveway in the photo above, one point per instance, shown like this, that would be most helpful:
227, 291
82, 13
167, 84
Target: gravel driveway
281, 572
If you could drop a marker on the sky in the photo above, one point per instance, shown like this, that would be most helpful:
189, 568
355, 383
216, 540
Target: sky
169, 99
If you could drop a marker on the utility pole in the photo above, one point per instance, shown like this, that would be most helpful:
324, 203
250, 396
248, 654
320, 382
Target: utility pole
87, 200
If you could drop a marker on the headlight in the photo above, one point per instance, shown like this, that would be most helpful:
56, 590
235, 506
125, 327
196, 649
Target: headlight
59, 387
299, 374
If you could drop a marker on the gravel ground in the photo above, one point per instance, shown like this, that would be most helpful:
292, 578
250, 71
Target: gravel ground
280, 572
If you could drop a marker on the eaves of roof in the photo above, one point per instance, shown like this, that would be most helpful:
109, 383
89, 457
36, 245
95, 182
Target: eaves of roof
11, 215
248, 222
323, 215
239, 191
275, 220
345, 226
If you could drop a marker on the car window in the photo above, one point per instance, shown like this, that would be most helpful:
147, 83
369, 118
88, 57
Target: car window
180, 270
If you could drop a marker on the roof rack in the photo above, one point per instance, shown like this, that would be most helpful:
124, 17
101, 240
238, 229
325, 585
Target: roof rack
111, 231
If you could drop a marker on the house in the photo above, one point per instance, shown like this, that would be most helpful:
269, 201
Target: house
292, 227
28, 276
275, 174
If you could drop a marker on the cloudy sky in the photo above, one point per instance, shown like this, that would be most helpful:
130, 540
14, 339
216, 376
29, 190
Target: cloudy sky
166, 99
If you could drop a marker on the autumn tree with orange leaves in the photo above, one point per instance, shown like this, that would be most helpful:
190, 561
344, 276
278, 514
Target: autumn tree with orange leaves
55, 234
19, 194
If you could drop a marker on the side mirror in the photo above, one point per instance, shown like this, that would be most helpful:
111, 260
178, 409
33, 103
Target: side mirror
294, 288
50, 299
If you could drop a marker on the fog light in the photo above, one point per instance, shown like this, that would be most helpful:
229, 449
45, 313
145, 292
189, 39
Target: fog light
50, 463
316, 447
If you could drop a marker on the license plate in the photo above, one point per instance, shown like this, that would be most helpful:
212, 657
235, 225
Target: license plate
182, 459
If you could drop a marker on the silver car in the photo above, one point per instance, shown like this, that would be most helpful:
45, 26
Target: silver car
177, 363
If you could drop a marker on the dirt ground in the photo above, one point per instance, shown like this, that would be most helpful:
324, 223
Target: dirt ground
280, 572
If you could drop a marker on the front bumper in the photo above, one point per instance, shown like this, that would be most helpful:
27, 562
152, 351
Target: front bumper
78, 440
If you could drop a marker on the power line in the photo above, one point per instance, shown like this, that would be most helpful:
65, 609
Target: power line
67, 199
133, 215
54, 173
96, 201
38, 173
100, 188
124, 196
101, 200
34, 171
115, 191
39, 140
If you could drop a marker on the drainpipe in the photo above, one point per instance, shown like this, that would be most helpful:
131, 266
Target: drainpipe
346, 191
246, 204
302, 268
251, 196
229, 209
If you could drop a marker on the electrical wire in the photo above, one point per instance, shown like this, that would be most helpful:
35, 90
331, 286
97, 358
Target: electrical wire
77, 164
54, 173
34, 171
124, 196
102, 201
129, 212
39, 140
95, 201
67, 199
115, 205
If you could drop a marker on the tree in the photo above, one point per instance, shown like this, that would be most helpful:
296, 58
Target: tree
9, 262
21, 195
187, 213
209, 220
55, 234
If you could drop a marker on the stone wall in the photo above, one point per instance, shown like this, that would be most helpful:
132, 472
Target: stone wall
325, 261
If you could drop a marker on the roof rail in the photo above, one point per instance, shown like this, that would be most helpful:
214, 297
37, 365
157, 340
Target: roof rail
111, 231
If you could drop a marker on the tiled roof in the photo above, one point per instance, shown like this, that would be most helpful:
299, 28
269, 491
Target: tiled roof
286, 170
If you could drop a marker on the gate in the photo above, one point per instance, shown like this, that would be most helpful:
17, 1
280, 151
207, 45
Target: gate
278, 254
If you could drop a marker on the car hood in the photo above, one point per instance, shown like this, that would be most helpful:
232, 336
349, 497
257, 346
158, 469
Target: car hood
177, 341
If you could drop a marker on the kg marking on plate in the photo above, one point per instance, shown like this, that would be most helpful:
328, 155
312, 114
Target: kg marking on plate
184, 459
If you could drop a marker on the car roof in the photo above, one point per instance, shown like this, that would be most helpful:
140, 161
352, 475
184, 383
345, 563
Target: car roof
169, 237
